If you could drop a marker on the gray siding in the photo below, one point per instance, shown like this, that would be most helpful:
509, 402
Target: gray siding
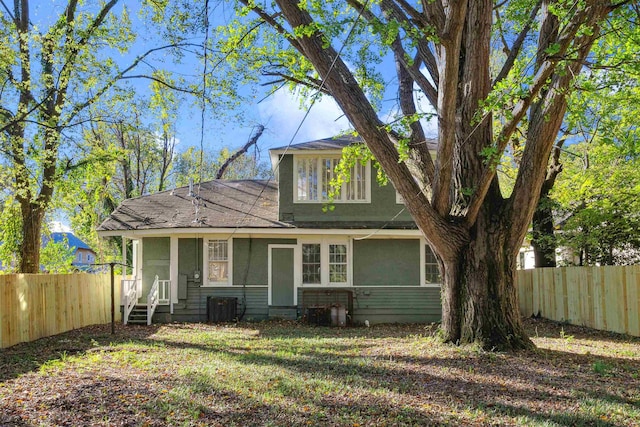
392, 305
386, 262
383, 204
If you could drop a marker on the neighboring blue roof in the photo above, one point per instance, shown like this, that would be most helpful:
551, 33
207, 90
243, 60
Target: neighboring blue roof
71, 238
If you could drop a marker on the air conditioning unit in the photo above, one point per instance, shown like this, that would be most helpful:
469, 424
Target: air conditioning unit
222, 309
318, 315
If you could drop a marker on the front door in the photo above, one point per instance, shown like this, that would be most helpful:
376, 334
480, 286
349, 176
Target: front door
282, 276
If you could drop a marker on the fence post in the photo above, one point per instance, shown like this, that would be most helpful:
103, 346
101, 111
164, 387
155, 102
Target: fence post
113, 310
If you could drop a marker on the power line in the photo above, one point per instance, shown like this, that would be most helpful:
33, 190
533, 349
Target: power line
313, 101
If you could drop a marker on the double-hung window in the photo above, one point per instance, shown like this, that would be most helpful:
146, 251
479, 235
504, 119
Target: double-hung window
431, 267
337, 263
218, 261
311, 265
313, 176
325, 263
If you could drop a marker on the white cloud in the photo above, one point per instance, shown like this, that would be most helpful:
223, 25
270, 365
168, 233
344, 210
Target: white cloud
59, 227
430, 126
282, 115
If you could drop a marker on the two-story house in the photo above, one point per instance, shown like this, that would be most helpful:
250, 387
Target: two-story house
276, 248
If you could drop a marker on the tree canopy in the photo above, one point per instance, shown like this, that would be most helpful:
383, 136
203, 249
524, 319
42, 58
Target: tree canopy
54, 70
442, 53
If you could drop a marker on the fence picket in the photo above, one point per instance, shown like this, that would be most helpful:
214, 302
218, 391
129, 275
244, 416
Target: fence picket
33, 306
606, 298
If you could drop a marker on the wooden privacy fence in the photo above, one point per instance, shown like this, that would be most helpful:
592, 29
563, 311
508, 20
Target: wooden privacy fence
33, 306
605, 298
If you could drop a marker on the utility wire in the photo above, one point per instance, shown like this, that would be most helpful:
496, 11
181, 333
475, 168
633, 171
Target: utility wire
313, 101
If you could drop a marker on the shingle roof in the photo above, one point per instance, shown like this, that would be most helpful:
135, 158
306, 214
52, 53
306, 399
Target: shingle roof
220, 203
333, 143
337, 143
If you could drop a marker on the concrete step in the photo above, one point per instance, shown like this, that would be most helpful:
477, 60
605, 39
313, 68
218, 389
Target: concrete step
288, 313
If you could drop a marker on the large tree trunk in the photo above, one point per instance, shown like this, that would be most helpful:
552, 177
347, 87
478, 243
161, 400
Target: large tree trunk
474, 230
32, 217
480, 301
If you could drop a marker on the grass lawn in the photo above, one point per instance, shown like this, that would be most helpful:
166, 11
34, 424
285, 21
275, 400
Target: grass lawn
286, 374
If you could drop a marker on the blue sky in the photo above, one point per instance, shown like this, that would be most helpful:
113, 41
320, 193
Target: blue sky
280, 113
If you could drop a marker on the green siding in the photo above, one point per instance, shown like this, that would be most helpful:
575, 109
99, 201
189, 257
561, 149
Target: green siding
392, 305
249, 268
194, 309
250, 260
386, 262
190, 257
385, 266
155, 261
383, 204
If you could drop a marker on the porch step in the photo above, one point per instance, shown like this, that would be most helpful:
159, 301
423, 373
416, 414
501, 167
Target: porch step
138, 315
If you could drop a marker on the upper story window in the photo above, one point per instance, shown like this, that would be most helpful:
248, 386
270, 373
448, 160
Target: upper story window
313, 175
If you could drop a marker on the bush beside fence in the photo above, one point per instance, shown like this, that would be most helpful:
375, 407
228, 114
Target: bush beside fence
33, 306
605, 298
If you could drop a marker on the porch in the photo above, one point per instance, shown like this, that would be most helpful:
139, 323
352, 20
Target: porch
141, 312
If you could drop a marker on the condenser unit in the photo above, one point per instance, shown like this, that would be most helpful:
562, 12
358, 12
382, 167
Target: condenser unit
222, 309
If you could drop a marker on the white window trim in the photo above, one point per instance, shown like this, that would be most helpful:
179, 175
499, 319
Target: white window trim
205, 263
343, 192
423, 269
324, 243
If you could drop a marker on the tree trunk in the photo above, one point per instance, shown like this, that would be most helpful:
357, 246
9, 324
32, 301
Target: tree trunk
544, 238
31, 238
480, 302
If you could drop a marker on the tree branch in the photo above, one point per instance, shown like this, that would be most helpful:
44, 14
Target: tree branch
162, 82
449, 52
312, 83
517, 46
547, 67
546, 118
270, 19
354, 103
252, 141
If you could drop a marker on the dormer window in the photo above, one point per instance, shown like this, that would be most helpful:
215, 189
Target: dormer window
313, 175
